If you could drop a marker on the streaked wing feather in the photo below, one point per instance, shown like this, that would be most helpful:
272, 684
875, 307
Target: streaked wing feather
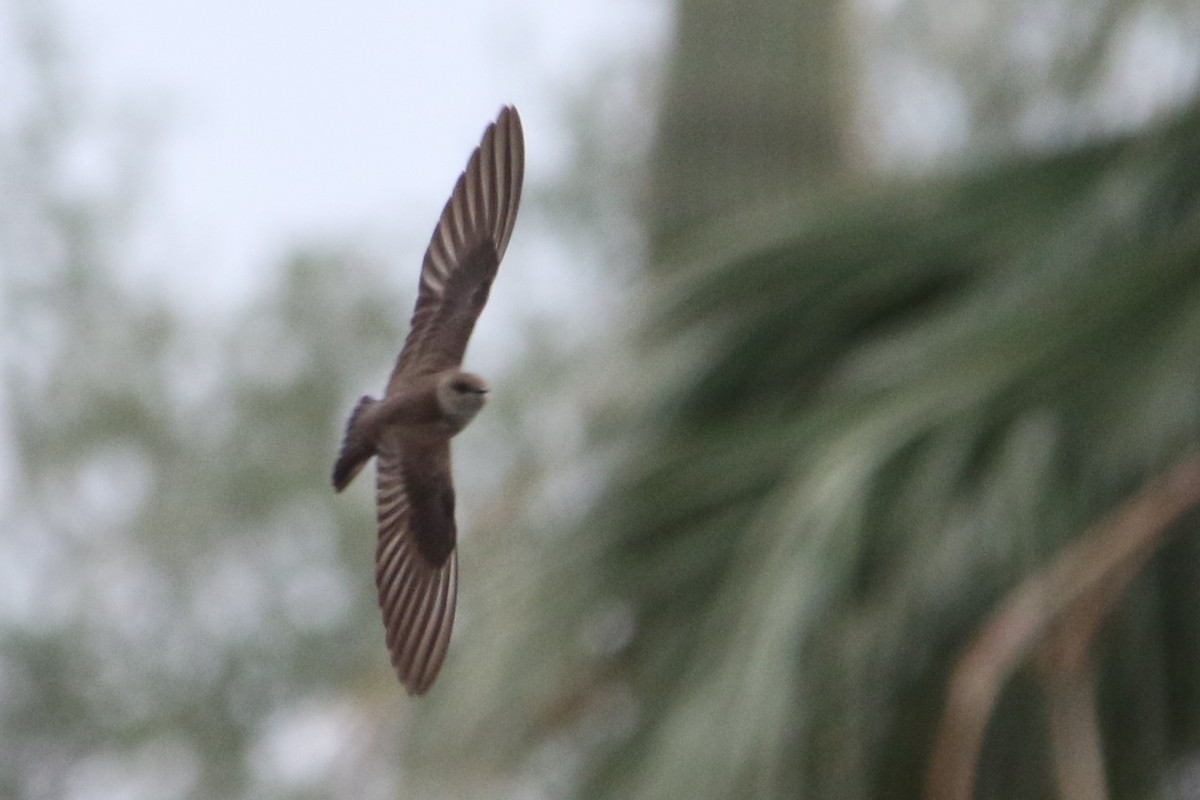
465, 251
416, 564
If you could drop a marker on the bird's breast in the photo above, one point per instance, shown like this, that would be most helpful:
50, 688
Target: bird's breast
415, 415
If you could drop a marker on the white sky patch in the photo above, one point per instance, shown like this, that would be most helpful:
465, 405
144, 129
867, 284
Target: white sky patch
283, 129
161, 769
1155, 65
300, 747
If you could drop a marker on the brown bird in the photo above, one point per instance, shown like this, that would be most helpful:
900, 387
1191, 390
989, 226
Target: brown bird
427, 401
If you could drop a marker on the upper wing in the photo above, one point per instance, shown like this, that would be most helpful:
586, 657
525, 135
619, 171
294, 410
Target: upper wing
416, 565
467, 245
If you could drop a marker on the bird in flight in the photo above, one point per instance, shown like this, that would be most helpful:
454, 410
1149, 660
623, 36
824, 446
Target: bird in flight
428, 400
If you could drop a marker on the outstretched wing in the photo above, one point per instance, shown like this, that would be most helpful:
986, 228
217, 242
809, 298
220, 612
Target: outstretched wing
465, 252
416, 565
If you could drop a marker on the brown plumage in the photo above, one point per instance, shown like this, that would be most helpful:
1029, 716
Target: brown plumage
427, 401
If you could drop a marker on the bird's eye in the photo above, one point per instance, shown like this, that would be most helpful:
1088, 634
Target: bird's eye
462, 387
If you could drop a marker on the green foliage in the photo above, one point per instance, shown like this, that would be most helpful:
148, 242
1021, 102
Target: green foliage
909, 401
872, 414
178, 586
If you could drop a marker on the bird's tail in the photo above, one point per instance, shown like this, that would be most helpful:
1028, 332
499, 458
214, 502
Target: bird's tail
357, 447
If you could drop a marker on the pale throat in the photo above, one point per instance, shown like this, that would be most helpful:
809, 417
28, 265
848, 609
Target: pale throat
460, 396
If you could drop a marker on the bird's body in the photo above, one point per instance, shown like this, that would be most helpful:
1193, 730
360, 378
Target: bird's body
429, 400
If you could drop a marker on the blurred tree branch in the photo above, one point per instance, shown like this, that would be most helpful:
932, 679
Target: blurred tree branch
1053, 617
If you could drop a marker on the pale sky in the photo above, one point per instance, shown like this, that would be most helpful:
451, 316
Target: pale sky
285, 123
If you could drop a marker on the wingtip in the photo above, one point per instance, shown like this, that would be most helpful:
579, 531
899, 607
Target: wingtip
509, 122
418, 603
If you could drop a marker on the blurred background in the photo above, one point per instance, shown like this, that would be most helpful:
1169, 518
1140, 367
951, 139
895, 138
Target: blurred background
826, 329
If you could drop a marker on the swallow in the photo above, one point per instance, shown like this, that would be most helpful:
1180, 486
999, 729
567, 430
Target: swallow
429, 400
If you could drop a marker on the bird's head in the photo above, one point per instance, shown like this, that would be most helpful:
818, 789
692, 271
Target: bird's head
461, 395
